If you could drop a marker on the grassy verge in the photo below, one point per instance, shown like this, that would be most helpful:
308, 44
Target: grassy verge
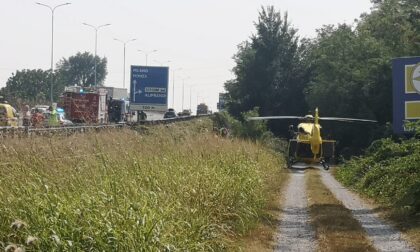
335, 227
389, 173
174, 187
263, 237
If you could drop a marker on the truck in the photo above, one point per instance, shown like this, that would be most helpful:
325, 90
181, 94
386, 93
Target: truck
118, 110
117, 93
85, 105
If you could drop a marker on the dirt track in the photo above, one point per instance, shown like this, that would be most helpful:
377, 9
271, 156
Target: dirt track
296, 233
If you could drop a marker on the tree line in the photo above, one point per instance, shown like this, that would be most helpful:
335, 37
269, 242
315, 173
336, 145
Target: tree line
345, 70
32, 86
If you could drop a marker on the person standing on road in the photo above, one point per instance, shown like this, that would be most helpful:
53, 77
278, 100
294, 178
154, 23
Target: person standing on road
37, 118
26, 116
142, 115
53, 120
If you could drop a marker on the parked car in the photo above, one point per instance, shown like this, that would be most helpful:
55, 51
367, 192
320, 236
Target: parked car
8, 115
40, 108
185, 112
169, 114
61, 116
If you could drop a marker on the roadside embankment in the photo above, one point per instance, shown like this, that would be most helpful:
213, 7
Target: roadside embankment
174, 187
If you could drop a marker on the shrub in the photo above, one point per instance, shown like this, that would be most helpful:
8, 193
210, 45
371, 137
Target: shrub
389, 172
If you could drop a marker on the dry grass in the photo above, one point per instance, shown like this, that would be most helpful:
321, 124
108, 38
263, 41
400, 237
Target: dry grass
336, 229
172, 187
263, 237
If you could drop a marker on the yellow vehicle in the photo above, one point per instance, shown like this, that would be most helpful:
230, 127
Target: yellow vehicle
307, 148
8, 116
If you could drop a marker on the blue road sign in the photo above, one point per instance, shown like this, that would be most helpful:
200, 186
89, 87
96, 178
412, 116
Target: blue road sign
149, 88
406, 91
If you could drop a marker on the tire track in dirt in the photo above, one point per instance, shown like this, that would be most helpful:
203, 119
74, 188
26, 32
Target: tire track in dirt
383, 236
295, 232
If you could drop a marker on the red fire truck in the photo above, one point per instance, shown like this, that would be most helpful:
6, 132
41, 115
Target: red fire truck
85, 105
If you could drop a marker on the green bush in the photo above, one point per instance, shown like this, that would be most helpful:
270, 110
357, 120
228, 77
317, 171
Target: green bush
389, 172
243, 128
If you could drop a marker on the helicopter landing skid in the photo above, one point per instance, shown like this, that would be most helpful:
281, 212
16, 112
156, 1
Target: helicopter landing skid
302, 166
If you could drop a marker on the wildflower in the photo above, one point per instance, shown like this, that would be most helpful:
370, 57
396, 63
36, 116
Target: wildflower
18, 224
31, 240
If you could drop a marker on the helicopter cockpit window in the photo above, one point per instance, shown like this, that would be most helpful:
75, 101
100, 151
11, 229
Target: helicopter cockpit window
302, 131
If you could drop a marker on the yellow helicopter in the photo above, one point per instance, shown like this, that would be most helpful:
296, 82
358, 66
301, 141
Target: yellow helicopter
307, 148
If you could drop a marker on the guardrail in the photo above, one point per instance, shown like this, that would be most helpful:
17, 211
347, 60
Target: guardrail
81, 128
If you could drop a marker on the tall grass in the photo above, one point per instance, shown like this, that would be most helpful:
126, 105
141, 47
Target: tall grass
175, 187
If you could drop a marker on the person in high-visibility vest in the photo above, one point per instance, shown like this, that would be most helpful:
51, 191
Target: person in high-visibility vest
53, 120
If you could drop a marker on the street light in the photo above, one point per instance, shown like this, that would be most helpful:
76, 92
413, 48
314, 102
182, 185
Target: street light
125, 43
96, 28
191, 86
161, 63
183, 84
146, 53
52, 42
173, 85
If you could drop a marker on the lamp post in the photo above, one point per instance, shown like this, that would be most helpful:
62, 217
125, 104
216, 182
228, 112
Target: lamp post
161, 63
125, 43
173, 85
190, 96
52, 42
96, 28
146, 53
183, 84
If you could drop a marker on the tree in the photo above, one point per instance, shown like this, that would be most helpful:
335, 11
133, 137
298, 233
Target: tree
396, 24
27, 86
344, 75
351, 73
79, 70
269, 73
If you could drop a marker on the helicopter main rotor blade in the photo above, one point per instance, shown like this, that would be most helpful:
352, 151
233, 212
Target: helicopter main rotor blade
274, 118
341, 119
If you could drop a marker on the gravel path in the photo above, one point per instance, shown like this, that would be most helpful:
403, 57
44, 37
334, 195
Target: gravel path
295, 232
383, 236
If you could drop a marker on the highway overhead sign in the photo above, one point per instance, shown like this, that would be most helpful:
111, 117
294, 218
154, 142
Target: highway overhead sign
149, 88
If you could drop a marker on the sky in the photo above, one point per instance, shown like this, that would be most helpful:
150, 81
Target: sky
199, 37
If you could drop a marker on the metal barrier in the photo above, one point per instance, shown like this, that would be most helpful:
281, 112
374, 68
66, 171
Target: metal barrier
82, 128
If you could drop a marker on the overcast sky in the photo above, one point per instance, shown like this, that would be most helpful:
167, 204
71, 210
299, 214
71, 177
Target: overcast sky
199, 36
